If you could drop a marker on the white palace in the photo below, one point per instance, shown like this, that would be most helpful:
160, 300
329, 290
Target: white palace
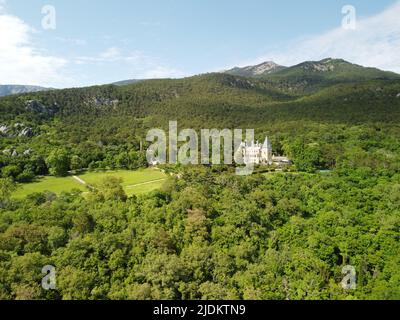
257, 153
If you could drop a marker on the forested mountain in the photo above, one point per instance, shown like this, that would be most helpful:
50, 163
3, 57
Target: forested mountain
208, 234
6, 90
313, 75
333, 69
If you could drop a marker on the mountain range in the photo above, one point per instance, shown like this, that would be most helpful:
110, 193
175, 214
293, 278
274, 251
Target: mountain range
312, 74
326, 90
308, 75
6, 90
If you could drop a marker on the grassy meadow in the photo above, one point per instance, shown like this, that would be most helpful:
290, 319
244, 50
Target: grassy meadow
133, 182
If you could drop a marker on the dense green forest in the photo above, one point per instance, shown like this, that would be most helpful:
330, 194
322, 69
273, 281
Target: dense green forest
207, 234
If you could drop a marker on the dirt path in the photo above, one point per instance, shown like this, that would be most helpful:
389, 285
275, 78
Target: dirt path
79, 180
143, 183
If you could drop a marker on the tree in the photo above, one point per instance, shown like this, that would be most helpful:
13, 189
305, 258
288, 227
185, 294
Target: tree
76, 163
58, 162
7, 187
11, 171
306, 157
110, 189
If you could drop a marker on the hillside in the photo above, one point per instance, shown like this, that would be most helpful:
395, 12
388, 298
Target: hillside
213, 99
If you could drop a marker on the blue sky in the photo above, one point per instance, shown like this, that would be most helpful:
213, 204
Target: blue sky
103, 41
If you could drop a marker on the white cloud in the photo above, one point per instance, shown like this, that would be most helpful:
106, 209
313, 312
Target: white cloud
375, 42
111, 54
136, 63
159, 72
20, 61
72, 41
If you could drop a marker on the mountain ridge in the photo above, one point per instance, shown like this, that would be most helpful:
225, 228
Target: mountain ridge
327, 66
9, 89
308, 76
264, 68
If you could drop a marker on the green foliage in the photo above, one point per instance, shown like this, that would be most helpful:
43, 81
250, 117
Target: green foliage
209, 236
109, 189
58, 162
307, 158
7, 187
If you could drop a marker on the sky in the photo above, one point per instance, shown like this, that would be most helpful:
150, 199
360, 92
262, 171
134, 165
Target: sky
71, 43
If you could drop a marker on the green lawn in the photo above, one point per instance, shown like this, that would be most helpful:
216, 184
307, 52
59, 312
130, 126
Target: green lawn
143, 188
134, 182
56, 185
